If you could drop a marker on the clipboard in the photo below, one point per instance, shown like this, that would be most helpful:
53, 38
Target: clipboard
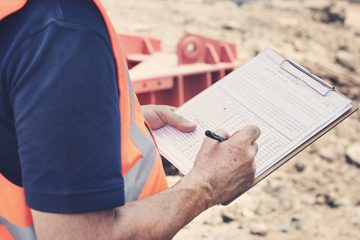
232, 96
324, 88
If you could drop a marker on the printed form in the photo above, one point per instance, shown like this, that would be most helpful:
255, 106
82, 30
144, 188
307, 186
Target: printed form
287, 111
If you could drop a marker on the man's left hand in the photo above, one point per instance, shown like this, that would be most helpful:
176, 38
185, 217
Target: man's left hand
159, 115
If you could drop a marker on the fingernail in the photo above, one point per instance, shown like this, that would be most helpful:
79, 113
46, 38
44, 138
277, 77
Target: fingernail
189, 124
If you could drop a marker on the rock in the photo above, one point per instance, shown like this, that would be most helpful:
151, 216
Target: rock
329, 13
248, 213
228, 215
328, 153
334, 13
320, 199
300, 164
341, 202
346, 60
353, 154
259, 228
332, 199
299, 225
285, 227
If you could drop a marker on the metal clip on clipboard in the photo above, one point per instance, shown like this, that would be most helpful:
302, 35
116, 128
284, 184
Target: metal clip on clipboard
306, 77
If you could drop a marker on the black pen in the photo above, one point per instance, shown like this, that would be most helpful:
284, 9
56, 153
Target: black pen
215, 136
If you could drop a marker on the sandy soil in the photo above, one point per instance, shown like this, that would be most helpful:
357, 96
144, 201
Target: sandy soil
353, 16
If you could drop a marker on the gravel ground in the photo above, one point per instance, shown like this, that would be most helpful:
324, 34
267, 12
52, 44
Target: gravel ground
316, 194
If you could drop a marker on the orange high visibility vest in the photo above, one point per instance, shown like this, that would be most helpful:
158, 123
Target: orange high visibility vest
141, 163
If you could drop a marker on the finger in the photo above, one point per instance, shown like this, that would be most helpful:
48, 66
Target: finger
179, 122
253, 149
220, 132
249, 133
253, 133
254, 167
223, 133
256, 147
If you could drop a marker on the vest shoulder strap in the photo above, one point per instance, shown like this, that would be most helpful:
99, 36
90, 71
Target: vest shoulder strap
8, 7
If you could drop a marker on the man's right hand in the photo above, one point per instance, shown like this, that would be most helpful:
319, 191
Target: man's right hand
221, 172
228, 168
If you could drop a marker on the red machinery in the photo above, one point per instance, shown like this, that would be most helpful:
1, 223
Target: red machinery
172, 79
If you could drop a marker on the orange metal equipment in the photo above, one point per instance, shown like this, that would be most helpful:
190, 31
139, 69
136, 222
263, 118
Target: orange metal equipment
172, 79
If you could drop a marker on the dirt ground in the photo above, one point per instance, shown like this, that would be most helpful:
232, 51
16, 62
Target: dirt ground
353, 16
316, 195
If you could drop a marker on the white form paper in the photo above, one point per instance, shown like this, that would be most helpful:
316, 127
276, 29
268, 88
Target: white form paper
260, 93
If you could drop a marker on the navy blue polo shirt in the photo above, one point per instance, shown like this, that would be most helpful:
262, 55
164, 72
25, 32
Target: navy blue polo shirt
59, 107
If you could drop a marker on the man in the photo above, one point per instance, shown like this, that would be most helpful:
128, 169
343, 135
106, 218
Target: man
74, 138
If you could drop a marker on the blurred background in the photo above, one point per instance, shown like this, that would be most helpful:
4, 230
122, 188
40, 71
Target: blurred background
316, 195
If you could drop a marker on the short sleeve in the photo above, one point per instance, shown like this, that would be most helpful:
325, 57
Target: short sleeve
65, 99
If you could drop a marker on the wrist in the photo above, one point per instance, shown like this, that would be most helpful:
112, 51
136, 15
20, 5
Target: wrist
202, 187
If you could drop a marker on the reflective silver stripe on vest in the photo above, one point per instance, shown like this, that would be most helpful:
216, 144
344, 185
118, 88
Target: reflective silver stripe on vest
19, 233
138, 175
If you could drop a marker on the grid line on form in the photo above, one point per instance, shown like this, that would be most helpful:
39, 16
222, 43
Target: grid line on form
232, 117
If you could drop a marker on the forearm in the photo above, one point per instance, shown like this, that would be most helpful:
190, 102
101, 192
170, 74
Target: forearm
159, 216
221, 172
162, 215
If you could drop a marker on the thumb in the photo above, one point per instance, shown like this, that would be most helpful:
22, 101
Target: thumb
179, 122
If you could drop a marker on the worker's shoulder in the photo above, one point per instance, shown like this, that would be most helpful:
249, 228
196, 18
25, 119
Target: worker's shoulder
37, 15
83, 13
33, 17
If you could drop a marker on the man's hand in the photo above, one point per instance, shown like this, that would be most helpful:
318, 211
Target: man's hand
159, 115
222, 171
228, 167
